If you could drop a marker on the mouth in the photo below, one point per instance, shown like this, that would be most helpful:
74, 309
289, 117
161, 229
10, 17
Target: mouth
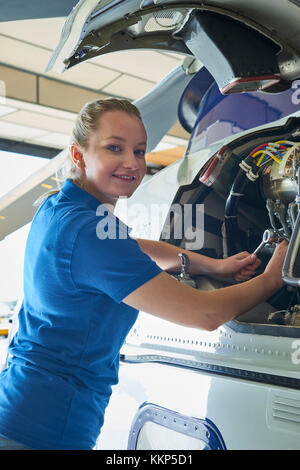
128, 178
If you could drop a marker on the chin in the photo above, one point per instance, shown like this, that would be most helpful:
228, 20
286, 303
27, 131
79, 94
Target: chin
127, 194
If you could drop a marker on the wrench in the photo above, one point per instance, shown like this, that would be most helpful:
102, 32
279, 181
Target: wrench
269, 236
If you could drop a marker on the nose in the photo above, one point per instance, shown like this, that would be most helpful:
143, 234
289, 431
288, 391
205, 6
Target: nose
130, 160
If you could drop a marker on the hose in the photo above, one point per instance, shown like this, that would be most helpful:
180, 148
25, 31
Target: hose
237, 191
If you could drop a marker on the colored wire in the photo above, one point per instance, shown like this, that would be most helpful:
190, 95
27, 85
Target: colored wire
265, 152
261, 159
274, 150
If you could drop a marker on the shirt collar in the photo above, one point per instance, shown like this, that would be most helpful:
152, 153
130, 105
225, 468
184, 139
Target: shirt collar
74, 192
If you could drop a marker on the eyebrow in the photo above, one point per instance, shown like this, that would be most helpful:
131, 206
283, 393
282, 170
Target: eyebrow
123, 140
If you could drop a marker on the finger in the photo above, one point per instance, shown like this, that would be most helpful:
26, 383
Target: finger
243, 254
248, 276
247, 262
283, 245
240, 277
256, 262
246, 271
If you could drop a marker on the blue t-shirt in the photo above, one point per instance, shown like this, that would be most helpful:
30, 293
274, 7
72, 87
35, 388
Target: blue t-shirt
72, 322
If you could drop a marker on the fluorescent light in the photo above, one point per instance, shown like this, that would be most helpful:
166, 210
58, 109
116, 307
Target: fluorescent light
40, 121
55, 138
19, 132
41, 109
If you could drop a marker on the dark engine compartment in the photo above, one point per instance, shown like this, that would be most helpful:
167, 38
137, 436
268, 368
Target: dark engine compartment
249, 186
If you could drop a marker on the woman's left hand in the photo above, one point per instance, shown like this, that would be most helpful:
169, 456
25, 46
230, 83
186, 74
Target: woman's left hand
241, 266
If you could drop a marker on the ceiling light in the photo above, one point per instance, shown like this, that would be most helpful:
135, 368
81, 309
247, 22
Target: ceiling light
19, 132
55, 138
37, 108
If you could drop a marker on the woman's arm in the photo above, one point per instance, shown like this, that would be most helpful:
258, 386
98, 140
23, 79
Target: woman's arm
241, 266
167, 298
166, 256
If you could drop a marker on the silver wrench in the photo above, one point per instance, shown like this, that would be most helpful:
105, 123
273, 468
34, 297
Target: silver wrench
269, 236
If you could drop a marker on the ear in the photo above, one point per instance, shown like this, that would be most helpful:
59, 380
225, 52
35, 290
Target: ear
77, 156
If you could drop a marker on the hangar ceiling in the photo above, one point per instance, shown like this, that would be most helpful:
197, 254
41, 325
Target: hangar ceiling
39, 108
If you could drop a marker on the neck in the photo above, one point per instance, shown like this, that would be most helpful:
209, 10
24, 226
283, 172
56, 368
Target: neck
101, 198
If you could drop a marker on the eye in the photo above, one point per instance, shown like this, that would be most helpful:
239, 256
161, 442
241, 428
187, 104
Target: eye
139, 153
114, 148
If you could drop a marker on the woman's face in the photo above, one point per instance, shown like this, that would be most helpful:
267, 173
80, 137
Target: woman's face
114, 164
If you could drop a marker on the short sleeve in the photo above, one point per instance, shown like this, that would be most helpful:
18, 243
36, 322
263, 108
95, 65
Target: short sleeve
113, 265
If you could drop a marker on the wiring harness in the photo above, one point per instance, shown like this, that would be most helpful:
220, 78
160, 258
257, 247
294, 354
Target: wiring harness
258, 159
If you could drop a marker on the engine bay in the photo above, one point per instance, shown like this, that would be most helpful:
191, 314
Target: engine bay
249, 191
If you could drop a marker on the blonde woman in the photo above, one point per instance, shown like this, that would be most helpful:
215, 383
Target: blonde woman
82, 291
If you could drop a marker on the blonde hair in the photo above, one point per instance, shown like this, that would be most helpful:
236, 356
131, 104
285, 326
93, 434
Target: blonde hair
87, 122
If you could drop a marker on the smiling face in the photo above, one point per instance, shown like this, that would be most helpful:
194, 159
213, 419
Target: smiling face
113, 164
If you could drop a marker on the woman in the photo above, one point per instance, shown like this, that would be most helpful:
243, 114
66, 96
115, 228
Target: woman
83, 291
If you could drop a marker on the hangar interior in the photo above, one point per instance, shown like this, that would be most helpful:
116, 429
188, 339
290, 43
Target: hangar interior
37, 112
233, 158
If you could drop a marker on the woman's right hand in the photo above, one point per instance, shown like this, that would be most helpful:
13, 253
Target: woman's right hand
274, 266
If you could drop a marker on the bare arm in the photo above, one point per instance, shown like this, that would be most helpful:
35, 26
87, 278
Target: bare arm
240, 266
166, 256
167, 298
